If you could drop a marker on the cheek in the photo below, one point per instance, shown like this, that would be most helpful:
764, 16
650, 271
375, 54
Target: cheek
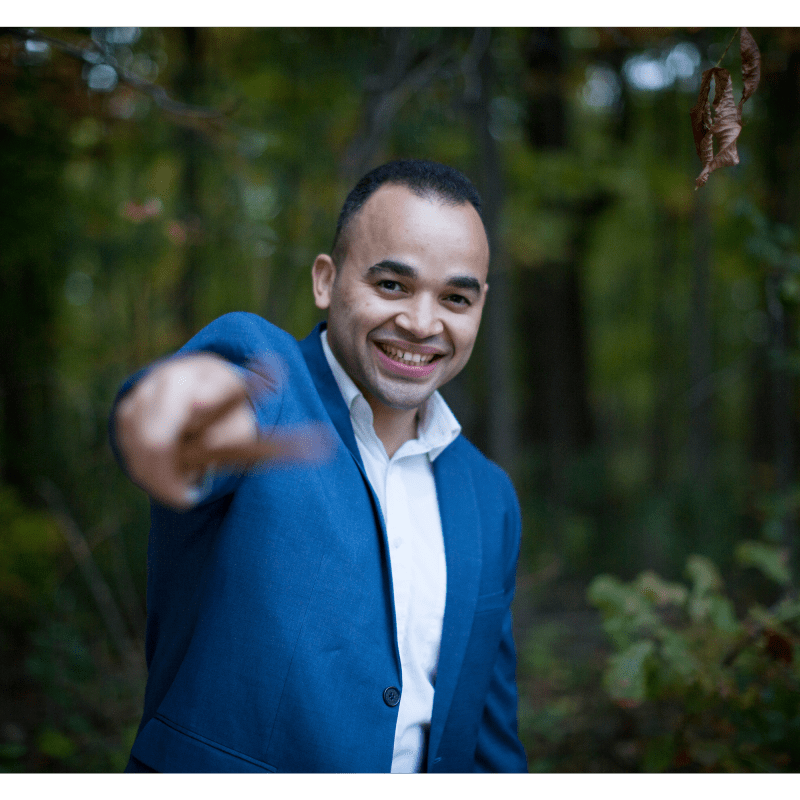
356, 306
464, 336
369, 313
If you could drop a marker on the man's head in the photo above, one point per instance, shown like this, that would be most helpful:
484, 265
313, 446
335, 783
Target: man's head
406, 285
423, 178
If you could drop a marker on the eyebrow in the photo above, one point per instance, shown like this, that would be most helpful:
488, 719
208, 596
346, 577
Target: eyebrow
464, 282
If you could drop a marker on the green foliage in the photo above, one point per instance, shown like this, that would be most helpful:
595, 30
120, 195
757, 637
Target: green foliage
723, 688
29, 549
770, 560
124, 232
94, 702
563, 719
56, 745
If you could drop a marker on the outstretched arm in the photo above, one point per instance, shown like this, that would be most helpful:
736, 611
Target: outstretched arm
186, 415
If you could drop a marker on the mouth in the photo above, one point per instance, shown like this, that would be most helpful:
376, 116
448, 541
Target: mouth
408, 363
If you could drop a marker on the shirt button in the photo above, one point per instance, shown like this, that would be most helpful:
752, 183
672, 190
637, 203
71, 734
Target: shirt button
391, 696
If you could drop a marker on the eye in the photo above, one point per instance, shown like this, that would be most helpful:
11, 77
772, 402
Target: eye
458, 300
389, 285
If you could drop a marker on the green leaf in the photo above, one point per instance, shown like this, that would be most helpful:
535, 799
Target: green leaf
722, 615
706, 588
788, 610
627, 613
659, 753
681, 665
55, 744
704, 574
659, 591
626, 676
771, 560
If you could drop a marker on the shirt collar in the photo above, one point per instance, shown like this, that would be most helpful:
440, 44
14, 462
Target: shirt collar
437, 427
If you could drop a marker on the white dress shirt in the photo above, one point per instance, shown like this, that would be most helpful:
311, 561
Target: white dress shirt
406, 490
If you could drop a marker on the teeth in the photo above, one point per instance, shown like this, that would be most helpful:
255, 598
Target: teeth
402, 355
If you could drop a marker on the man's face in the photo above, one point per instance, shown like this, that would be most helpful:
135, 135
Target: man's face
406, 303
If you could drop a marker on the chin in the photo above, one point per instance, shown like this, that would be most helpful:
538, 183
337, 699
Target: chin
404, 402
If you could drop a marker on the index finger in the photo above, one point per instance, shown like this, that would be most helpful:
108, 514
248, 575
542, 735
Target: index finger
311, 443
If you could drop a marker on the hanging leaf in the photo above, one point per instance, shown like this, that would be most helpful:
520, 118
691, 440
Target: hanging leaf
751, 64
701, 120
725, 123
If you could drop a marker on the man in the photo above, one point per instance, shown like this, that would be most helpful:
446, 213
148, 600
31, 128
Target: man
343, 606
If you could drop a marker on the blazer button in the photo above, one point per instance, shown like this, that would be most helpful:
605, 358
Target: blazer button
391, 696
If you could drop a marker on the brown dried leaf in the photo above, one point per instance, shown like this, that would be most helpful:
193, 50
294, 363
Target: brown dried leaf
726, 122
751, 64
726, 127
701, 115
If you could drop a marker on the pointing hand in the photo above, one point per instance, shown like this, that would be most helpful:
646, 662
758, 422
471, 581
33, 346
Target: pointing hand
192, 414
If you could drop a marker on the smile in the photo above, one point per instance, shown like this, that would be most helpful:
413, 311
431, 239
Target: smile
404, 356
405, 363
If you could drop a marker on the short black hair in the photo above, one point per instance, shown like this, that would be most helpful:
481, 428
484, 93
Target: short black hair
424, 178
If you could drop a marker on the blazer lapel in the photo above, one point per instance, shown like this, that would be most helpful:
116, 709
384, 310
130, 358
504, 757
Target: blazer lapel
462, 544
311, 348
331, 396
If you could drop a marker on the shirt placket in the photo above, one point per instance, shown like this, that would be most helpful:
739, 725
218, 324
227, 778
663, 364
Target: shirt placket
396, 526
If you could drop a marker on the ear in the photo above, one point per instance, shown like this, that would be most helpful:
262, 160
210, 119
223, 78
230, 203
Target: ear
323, 274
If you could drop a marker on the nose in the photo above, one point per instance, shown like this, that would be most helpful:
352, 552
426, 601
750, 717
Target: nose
420, 317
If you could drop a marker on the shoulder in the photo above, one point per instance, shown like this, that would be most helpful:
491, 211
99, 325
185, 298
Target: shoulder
494, 493
485, 472
496, 503
241, 337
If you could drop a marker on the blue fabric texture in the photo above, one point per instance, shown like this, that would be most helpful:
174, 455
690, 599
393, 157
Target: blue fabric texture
271, 632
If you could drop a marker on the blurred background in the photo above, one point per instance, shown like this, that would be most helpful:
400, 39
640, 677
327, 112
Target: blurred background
636, 372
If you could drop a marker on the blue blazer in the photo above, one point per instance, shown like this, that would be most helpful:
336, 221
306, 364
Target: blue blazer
271, 639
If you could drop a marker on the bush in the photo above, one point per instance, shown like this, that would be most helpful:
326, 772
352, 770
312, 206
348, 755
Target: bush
707, 689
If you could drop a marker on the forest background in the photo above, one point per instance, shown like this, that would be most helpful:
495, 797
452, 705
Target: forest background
636, 373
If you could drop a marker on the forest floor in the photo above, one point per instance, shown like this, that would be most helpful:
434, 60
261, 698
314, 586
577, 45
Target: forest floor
54, 718
567, 722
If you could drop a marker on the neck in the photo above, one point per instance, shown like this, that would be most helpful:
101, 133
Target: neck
394, 427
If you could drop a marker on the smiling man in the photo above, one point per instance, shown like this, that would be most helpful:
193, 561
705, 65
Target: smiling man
405, 305
331, 564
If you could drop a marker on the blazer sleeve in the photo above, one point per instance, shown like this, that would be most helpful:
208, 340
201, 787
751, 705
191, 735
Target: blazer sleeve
499, 748
245, 341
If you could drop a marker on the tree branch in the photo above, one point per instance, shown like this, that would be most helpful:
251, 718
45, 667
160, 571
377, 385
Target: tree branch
389, 92
94, 55
82, 553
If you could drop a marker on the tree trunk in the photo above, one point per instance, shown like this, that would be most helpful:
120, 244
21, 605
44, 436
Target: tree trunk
782, 148
556, 412
191, 147
32, 272
700, 358
497, 318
